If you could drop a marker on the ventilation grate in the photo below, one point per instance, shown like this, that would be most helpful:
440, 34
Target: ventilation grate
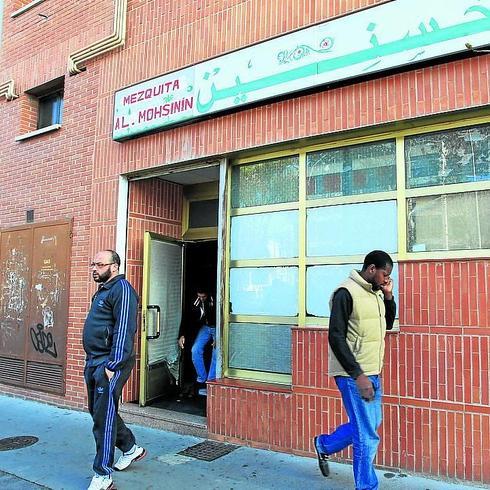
45, 376
12, 371
208, 450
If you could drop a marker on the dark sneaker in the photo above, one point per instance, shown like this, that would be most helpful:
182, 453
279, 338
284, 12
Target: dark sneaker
322, 459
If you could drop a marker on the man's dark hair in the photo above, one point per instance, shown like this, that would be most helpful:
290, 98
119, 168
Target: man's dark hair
378, 258
115, 257
202, 289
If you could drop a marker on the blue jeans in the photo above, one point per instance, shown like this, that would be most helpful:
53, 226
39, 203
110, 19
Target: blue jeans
205, 334
360, 431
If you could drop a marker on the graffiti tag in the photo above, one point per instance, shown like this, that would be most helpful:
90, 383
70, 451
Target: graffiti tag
43, 342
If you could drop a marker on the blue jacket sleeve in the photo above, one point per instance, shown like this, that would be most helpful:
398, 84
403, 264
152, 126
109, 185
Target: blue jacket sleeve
125, 310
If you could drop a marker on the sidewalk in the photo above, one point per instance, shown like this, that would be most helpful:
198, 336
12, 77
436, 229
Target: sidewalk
62, 459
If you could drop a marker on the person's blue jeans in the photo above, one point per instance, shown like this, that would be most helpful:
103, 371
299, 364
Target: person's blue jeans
360, 431
205, 334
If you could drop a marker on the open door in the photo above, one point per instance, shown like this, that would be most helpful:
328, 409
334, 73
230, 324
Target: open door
162, 313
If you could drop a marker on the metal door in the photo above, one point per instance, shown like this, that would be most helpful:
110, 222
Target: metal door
15, 277
162, 313
48, 312
34, 264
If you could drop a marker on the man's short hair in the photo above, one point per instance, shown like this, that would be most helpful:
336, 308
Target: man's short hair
115, 257
378, 258
202, 289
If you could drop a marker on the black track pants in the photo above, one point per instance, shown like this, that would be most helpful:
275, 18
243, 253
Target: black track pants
103, 401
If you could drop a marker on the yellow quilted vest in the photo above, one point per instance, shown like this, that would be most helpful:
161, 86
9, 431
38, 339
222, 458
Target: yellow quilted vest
366, 329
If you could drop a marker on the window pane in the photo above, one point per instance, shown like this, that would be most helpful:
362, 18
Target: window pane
50, 110
264, 291
449, 222
321, 281
448, 157
268, 182
351, 170
203, 214
278, 234
260, 347
352, 229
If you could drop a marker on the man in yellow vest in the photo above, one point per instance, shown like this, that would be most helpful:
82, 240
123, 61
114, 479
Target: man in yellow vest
362, 308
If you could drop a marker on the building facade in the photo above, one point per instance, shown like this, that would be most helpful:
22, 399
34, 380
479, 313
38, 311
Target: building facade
264, 147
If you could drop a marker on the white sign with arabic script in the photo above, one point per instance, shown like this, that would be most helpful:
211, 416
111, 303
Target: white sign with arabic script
395, 34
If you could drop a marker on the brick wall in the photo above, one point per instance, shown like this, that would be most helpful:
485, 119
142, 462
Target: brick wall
52, 175
74, 173
435, 381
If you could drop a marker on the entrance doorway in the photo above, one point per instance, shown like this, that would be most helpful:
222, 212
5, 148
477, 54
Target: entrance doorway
172, 271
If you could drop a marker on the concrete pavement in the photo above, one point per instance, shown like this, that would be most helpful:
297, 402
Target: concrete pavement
62, 459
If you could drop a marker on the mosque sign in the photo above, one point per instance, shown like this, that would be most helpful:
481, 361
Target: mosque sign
394, 34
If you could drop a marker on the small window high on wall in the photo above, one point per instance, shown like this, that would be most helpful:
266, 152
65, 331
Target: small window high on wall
50, 109
47, 103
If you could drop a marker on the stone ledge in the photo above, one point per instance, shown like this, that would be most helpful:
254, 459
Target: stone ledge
25, 8
37, 132
158, 418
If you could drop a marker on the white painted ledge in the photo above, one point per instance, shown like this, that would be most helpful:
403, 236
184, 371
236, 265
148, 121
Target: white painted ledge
25, 8
32, 134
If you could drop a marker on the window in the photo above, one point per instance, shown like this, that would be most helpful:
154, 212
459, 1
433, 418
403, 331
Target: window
50, 109
449, 222
352, 170
300, 223
203, 214
268, 182
448, 157
278, 235
200, 211
41, 109
271, 347
440, 215
335, 230
269, 291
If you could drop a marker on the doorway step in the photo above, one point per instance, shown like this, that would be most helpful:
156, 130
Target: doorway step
158, 418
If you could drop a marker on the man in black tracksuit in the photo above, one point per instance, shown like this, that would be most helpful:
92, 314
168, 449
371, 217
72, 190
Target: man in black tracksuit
108, 338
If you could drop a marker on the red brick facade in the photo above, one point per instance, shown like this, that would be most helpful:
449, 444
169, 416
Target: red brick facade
436, 377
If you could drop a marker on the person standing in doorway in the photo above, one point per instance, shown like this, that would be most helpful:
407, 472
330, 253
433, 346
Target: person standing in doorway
362, 308
202, 317
108, 339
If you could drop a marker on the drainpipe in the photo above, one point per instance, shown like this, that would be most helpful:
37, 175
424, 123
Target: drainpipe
7, 89
116, 39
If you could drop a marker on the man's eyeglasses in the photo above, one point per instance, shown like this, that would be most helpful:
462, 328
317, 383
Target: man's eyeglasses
99, 265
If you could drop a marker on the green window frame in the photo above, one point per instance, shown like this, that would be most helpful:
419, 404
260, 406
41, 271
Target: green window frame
402, 191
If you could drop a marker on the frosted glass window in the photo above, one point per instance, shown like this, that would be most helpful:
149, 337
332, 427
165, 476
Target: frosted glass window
260, 347
352, 229
448, 157
351, 170
449, 222
322, 280
264, 291
268, 182
263, 236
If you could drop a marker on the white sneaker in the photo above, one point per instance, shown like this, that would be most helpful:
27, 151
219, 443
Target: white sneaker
134, 454
101, 482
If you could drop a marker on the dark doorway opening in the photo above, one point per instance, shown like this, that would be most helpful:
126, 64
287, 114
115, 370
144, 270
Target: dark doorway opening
200, 268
